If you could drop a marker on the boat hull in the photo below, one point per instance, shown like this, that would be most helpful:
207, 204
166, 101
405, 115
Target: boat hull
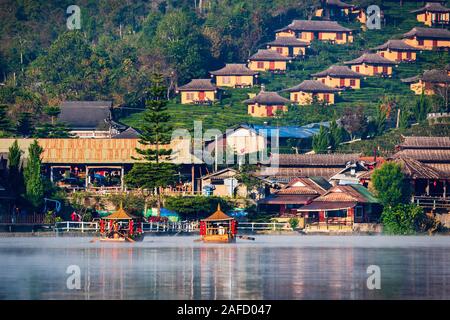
218, 238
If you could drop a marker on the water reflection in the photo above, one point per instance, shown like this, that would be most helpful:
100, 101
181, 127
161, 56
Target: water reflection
176, 268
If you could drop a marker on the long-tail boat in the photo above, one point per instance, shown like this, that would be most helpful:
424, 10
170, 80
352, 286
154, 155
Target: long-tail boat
218, 227
114, 231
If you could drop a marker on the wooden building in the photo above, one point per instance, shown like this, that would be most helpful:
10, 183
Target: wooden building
90, 119
309, 30
341, 207
297, 193
309, 91
288, 46
428, 159
351, 174
433, 14
282, 168
431, 82
268, 60
235, 75
198, 91
266, 104
397, 50
372, 64
341, 77
428, 38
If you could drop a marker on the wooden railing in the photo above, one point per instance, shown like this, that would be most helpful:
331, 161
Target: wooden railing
432, 202
23, 219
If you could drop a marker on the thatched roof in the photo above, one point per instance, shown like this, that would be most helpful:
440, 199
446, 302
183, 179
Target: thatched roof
317, 160
86, 114
397, 45
425, 143
268, 55
268, 98
338, 72
313, 86
433, 7
431, 76
370, 58
314, 25
234, 69
429, 33
119, 214
219, 215
198, 85
288, 41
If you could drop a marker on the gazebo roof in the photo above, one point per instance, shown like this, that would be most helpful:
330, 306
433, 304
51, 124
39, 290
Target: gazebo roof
119, 214
219, 215
370, 58
434, 7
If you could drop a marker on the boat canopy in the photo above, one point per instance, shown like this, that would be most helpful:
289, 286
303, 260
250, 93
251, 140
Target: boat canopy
219, 215
120, 214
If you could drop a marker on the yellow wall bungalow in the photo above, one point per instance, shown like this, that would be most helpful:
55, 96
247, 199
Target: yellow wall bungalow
266, 104
235, 75
268, 60
288, 46
339, 77
433, 13
198, 91
428, 38
309, 30
371, 64
337, 9
397, 50
430, 82
309, 90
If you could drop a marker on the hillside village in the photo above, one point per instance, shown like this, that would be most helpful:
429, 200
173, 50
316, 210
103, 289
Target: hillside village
333, 104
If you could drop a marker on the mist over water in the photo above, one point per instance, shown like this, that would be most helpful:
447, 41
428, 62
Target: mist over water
272, 267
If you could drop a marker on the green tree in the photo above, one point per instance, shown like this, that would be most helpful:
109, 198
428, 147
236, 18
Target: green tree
421, 108
34, 184
402, 219
379, 121
25, 126
5, 122
15, 178
155, 172
320, 141
390, 184
336, 135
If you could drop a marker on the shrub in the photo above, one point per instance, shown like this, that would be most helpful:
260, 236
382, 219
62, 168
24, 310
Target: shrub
403, 219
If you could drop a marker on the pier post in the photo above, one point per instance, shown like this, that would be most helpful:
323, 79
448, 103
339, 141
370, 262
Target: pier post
67, 226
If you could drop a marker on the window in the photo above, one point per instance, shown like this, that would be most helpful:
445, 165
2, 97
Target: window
280, 108
226, 80
336, 213
385, 69
359, 212
272, 65
339, 36
399, 56
238, 80
260, 64
326, 97
189, 95
420, 42
342, 82
280, 50
435, 43
382, 54
408, 55
253, 109
295, 97
352, 82
269, 111
323, 81
357, 69
375, 69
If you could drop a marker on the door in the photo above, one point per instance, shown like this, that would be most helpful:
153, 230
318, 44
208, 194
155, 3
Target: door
435, 43
238, 80
291, 51
342, 82
375, 70
272, 65
269, 111
399, 56
201, 96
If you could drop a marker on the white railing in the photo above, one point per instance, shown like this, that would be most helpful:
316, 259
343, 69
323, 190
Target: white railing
170, 227
76, 226
263, 226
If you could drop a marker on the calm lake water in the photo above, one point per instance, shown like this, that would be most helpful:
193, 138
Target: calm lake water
272, 267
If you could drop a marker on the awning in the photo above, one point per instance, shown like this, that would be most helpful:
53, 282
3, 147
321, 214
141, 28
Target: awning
287, 199
326, 205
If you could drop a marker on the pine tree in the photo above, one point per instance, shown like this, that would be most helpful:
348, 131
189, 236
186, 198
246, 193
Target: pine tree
34, 184
320, 141
155, 172
15, 178
336, 135
5, 123
25, 125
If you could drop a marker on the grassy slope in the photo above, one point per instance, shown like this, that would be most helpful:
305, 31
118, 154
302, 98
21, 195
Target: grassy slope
231, 111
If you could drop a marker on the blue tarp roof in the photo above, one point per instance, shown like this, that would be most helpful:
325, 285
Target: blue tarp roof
303, 132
